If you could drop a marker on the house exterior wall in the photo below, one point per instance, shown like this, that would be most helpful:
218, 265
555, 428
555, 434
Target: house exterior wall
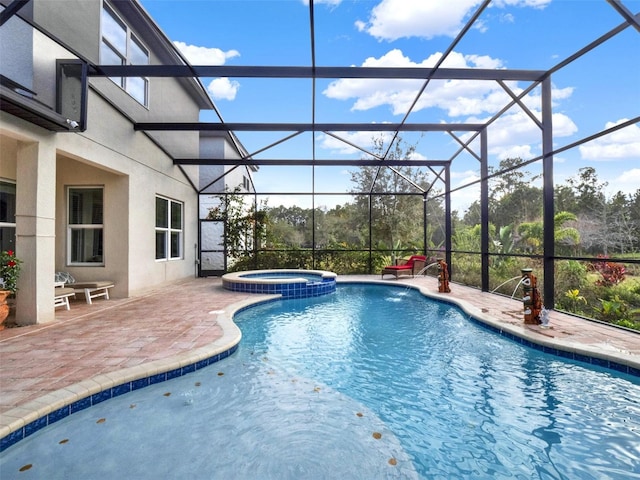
217, 145
71, 20
131, 167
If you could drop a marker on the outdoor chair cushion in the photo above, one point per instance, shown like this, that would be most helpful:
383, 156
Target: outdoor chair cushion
91, 289
409, 266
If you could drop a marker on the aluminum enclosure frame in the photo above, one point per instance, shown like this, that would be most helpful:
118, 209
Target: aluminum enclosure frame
537, 78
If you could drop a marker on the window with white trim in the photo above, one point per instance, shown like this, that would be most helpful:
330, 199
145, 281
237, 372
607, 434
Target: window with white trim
168, 229
7, 216
119, 46
85, 239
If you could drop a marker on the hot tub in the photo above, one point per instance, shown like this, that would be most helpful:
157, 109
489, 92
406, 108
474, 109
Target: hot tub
289, 283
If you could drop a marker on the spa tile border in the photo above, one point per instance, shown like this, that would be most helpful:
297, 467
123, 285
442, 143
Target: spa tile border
250, 282
289, 290
115, 391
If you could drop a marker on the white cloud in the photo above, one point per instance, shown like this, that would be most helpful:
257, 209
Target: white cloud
218, 88
514, 134
461, 199
393, 19
623, 143
458, 97
223, 89
417, 156
629, 180
204, 55
521, 3
362, 139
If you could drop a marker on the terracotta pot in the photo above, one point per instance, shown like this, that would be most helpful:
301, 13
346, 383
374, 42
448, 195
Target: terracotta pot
4, 307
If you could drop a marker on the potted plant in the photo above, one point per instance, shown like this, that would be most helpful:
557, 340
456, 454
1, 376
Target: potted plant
9, 273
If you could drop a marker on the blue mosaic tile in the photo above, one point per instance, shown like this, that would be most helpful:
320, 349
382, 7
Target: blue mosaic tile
59, 414
100, 396
618, 367
565, 354
634, 371
188, 368
158, 378
174, 373
140, 383
582, 358
11, 439
287, 290
34, 426
600, 362
201, 364
121, 389
80, 405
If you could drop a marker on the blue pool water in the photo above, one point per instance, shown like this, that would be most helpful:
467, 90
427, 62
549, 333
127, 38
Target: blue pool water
281, 276
369, 382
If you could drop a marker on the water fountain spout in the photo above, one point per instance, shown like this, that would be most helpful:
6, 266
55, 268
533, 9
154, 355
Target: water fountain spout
507, 281
424, 270
516, 289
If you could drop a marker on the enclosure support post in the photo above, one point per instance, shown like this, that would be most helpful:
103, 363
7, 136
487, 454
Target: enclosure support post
448, 230
370, 233
547, 192
424, 223
484, 211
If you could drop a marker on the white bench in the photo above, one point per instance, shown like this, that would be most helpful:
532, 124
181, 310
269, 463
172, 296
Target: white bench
61, 296
92, 290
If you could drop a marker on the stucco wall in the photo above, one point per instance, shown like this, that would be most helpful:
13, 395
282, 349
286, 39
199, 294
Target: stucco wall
8, 151
133, 171
129, 164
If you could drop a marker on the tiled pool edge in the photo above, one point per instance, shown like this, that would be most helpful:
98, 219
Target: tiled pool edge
21, 422
527, 337
289, 287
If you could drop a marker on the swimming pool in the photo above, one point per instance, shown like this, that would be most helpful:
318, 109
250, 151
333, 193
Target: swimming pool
369, 382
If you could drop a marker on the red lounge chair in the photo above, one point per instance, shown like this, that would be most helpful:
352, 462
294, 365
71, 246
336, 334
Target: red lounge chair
411, 267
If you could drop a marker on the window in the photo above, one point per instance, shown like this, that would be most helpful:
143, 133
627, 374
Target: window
7, 216
168, 229
120, 47
85, 227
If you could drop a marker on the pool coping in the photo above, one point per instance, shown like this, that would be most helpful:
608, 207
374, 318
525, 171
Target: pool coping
20, 422
532, 337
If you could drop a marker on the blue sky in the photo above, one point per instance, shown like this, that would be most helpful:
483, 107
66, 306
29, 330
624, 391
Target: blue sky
598, 90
